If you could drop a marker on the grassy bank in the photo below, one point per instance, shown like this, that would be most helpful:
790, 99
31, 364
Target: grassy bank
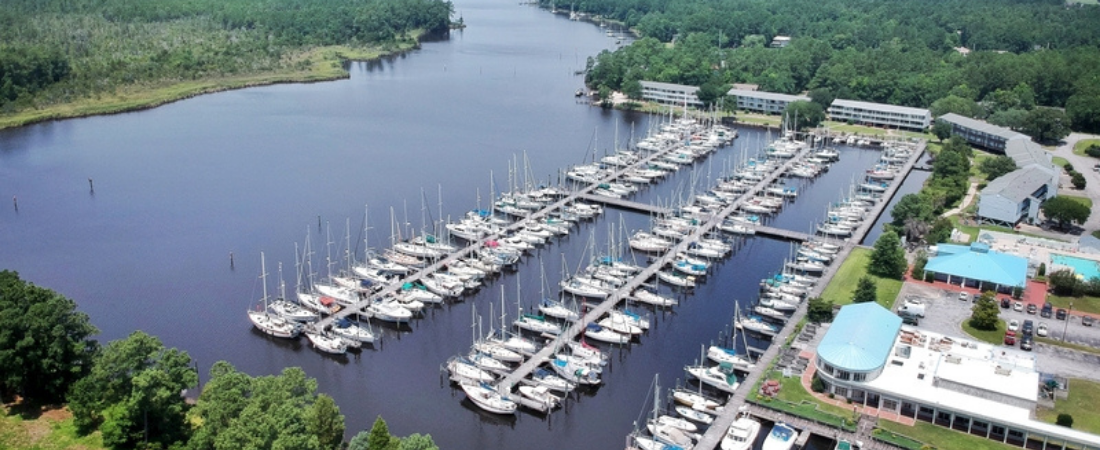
843, 285
942, 438
1083, 304
50, 430
1083, 397
1080, 146
311, 65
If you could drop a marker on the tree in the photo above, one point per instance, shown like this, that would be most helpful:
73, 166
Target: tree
380, 438
632, 89
819, 310
823, 97
984, 313
418, 441
325, 421
888, 258
283, 411
958, 105
1093, 151
1011, 118
804, 114
1078, 180
1046, 124
996, 166
865, 291
45, 343
941, 231
1064, 420
911, 206
710, 92
941, 129
1065, 211
1065, 283
918, 265
1083, 110
133, 393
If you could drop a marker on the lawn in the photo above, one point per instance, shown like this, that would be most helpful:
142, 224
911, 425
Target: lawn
1079, 148
942, 438
1084, 304
1060, 161
794, 399
843, 284
1082, 200
1084, 395
52, 430
872, 131
994, 337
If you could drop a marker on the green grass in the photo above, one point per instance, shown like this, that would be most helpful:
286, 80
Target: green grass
974, 231
1069, 345
53, 430
1082, 200
976, 162
759, 119
1083, 304
1084, 395
1096, 234
942, 438
1060, 161
843, 285
872, 131
1079, 148
794, 399
995, 337
897, 439
317, 64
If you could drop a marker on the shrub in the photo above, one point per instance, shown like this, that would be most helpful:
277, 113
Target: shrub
817, 385
1064, 420
1042, 270
1093, 151
1078, 180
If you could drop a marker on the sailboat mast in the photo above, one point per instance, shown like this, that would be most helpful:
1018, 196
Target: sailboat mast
263, 278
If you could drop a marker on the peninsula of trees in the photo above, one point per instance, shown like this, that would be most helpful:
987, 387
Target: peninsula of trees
1016, 53
63, 58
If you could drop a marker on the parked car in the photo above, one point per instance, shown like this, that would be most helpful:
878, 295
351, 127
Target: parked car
1006, 303
1010, 337
1028, 328
964, 296
910, 320
1087, 320
1013, 325
1061, 314
1032, 309
1042, 330
1018, 306
1025, 343
1047, 310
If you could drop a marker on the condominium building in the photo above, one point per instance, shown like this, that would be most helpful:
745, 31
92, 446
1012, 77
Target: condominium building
670, 94
765, 102
878, 114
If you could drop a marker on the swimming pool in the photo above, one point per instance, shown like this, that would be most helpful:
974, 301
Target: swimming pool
1087, 268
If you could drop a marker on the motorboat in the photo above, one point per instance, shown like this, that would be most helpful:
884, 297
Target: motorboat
781, 437
487, 398
741, 435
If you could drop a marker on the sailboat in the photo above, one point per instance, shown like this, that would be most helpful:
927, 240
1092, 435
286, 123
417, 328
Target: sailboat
287, 309
267, 321
327, 342
354, 331
487, 398
664, 431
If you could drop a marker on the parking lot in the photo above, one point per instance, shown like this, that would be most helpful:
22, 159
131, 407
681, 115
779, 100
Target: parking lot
944, 313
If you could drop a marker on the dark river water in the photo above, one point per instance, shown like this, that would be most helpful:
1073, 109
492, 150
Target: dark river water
181, 187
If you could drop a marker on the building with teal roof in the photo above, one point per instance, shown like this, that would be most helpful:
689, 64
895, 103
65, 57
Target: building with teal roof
858, 343
978, 266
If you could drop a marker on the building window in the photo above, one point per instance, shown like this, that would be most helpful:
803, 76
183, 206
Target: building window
843, 375
859, 377
841, 391
889, 404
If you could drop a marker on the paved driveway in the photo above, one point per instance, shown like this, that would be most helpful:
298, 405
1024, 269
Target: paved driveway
1084, 165
944, 313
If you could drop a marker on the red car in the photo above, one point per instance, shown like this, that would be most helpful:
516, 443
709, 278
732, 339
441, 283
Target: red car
1010, 338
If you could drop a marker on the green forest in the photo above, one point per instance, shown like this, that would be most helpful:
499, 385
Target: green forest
895, 52
55, 52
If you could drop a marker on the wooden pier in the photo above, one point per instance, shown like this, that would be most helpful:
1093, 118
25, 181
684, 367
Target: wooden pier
628, 205
713, 435
796, 236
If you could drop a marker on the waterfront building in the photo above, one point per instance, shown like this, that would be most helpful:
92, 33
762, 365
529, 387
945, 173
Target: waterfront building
975, 265
878, 114
764, 102
869, 357
1015, 196
670, 94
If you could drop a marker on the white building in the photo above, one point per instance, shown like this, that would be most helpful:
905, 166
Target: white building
781, 41
1017, 195
878, 114
670, 94
765, 102
973, 387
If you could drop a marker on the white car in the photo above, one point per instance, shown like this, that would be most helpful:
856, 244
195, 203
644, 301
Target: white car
1013, 325
1042, 330
1018, 306
964, 296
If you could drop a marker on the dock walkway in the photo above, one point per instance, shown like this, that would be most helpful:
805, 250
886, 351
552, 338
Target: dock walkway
713, 435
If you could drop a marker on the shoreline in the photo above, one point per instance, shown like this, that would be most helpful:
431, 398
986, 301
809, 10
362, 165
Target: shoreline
325, 64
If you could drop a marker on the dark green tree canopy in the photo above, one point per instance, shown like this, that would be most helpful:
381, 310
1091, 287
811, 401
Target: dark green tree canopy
888, 258
1065, 211
996, 166
804, 115
819, 310
866, 291
984, 314
1046, 124
45, 343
